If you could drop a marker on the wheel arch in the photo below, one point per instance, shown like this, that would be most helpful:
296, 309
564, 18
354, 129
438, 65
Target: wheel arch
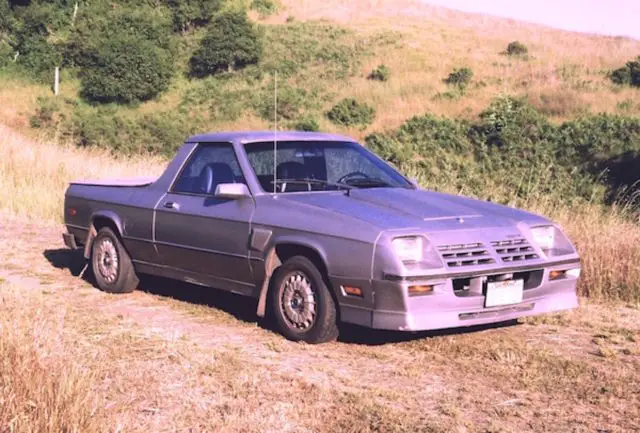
279, 253
99, 220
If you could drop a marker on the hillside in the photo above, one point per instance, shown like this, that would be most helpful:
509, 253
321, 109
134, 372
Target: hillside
333, 46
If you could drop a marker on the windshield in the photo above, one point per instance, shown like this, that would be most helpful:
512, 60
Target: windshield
320, 166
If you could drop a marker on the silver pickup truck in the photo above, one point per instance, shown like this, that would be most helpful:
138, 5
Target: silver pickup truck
320, 230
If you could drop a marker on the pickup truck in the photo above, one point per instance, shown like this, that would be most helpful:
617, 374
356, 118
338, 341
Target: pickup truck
319, 230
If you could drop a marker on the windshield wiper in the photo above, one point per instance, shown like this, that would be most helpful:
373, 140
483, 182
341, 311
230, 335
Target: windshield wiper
368, 183
316, 181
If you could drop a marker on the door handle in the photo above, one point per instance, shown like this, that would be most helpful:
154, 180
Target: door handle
172, 205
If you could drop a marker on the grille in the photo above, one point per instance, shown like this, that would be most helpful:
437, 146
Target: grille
465, 255
514, 250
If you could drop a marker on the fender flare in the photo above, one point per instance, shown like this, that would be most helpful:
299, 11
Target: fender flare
273, 262
107, 214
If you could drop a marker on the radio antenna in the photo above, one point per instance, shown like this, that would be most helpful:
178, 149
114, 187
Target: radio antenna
275, 132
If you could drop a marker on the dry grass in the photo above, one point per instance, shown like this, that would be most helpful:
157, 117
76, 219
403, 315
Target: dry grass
76, 359
609, 245
43, 388
34, 174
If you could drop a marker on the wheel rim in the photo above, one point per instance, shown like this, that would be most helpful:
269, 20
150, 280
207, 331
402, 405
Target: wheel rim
298, 301
108, 263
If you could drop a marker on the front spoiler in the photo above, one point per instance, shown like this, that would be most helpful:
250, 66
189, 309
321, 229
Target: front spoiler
393, 309
445, 319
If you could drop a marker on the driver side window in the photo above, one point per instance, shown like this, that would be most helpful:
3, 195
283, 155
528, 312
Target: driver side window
210, 165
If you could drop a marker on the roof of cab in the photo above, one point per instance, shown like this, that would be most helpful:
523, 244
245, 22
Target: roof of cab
265, 136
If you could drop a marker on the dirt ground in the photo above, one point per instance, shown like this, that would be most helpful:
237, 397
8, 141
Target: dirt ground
176, 357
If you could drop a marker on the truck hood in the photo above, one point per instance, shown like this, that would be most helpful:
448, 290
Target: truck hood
399, 208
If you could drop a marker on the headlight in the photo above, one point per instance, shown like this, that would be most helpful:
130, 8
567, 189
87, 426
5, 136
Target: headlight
552, 241
545, 236
408, 248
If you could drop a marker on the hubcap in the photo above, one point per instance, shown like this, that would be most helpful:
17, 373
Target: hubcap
298, 301
108, 260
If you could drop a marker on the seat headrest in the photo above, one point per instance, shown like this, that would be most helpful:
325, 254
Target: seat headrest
214, 174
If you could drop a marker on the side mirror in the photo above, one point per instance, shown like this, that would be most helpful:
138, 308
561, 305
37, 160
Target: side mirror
233, 191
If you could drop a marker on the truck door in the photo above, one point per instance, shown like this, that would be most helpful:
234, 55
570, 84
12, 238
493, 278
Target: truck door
200, 234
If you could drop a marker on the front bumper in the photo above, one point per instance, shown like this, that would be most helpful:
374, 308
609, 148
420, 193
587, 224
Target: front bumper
447, 308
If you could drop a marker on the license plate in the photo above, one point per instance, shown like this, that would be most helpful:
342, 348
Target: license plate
504, 293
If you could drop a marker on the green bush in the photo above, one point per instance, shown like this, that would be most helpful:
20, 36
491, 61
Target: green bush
6, 54
381, 73
350, 112
192, 13
39, 58
231, 43
628, 75
96, 25
45, 113
513, 153
460, 78
126, 69
516, 49
308, 124
265, 7
108, 127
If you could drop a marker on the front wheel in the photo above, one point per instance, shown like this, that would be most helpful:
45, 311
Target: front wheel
111, 264
301, 304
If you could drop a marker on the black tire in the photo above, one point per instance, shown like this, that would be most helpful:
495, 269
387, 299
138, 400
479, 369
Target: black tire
111, 265
323, 327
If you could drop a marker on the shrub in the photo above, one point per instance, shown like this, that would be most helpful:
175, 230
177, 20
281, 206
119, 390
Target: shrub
381, 73
350, 112
6, 54
126, 69
516, 49
39, 58
265, 7
460, 78
96, 25
192, 13
307, 124
231, 42
628, 75
106, 126
44, 116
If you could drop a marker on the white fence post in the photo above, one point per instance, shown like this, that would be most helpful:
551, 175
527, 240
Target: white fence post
56, 82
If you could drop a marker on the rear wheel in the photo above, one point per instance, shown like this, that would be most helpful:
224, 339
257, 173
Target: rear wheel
301, 304
111, 264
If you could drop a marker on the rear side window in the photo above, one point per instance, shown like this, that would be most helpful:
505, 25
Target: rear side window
210, 165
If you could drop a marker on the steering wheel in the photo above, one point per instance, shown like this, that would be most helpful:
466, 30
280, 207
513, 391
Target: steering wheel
352, 175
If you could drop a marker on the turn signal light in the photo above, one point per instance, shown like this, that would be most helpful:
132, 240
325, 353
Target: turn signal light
420, 290
556, 275
72, 211
353, 291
